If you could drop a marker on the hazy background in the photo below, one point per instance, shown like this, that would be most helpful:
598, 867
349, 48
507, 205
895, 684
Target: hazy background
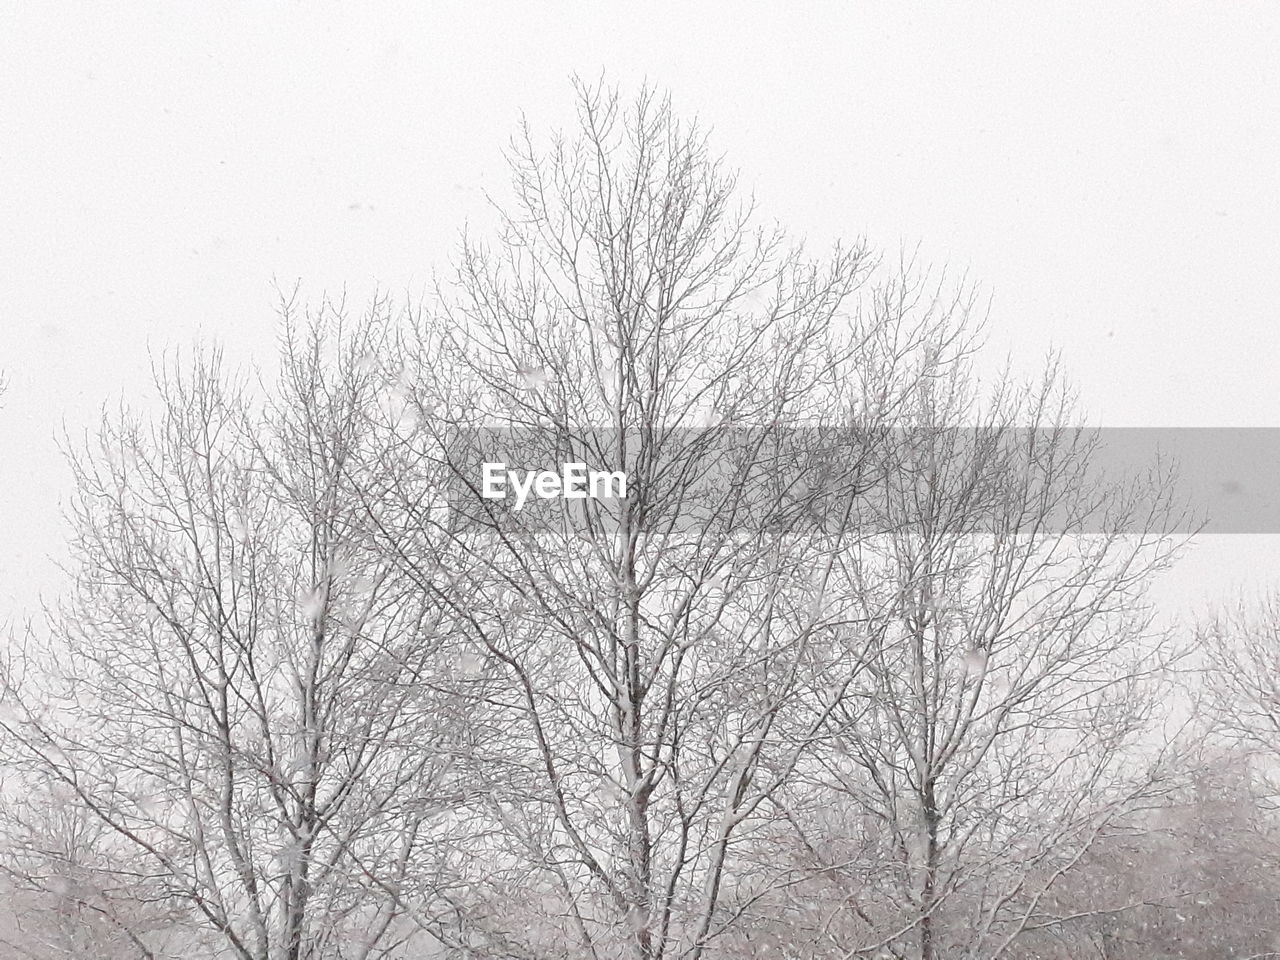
1107, 172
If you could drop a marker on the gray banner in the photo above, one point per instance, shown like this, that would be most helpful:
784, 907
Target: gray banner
972, 480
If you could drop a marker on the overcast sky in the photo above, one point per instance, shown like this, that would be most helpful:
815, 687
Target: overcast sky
1109, 174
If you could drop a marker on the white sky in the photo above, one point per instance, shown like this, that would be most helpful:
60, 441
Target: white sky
1108, 172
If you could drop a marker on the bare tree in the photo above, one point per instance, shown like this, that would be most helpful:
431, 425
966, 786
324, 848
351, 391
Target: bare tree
238, 691
1005, 719
667, 662
1241, 647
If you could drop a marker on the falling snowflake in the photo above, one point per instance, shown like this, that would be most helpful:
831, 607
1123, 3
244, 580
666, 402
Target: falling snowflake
711, 417
470, 665
408, 416
609, 793
757, 298
974, 661
363, 584
239, 528
339, 566
398, 397
311, 603
531, 378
